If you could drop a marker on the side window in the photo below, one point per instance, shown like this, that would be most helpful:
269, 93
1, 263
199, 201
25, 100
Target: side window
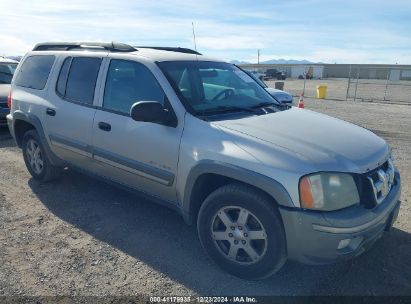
62, 79
128, 82
34, 72
81, 79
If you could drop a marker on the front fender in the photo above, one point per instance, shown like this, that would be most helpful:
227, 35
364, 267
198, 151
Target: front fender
266, 184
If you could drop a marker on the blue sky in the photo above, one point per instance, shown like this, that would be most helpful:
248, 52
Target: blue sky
343, 31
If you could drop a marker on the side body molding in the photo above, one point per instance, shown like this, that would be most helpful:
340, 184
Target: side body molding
268, 185
35, 121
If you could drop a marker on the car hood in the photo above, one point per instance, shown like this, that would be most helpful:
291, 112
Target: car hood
324, 142
272, 90
4, 91
280, 95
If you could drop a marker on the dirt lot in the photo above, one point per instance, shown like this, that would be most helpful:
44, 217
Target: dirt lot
79, 236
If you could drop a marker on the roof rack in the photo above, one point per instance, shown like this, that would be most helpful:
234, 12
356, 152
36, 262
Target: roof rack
65, 46
171, 49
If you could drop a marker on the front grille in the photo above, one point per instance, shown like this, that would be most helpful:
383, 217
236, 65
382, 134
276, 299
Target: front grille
3, 104
380, 181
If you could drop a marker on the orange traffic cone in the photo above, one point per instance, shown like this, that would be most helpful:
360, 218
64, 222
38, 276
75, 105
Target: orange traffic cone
301, 101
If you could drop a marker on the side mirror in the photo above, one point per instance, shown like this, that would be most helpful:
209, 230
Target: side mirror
149, 111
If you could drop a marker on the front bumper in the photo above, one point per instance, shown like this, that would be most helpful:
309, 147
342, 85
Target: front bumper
315, 237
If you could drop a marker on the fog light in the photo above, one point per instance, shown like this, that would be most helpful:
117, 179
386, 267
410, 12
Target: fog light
344, 243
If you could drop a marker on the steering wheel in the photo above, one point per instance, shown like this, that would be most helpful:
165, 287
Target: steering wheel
227, 93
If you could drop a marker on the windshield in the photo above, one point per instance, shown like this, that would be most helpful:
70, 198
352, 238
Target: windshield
255, 77
208, 87
6, 72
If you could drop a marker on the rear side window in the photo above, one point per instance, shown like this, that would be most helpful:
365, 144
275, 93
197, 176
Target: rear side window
34, 72
77, 79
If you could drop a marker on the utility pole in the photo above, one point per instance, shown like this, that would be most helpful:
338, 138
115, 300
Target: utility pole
258, 56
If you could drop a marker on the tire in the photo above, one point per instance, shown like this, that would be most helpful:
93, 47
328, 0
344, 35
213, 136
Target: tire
263, 232
40, 167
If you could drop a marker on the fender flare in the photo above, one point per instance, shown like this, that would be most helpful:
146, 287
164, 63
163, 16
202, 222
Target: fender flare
35, 121
272, 187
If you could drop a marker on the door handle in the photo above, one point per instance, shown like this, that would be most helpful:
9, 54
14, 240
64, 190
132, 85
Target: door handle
104, 126
51, 112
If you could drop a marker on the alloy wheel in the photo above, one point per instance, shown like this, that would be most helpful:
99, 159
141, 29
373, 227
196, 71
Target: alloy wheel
239, 235
34, 156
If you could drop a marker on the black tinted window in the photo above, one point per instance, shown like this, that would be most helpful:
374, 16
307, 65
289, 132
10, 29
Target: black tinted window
34, 72
128, 82
6, 72
62, 80
82, 79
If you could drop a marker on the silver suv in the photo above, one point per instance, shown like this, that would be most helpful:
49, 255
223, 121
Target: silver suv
261, 181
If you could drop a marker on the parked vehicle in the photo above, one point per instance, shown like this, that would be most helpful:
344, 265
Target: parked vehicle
261, 182
256, 74
275, 74
279, 95
7, 69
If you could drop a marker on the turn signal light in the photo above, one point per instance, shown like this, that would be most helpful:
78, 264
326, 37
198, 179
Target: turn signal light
306, 195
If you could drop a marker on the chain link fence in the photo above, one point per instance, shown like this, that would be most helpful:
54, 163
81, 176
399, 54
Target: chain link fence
383, 83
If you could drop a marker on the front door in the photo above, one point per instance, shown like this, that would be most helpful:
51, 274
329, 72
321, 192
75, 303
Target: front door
138, 154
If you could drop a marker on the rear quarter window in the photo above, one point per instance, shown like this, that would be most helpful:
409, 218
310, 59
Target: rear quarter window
34, 72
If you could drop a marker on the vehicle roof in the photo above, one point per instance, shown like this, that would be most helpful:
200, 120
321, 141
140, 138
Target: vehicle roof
161, 55
153, 53
7, 60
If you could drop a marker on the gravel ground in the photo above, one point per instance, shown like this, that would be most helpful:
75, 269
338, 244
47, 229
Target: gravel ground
79, 236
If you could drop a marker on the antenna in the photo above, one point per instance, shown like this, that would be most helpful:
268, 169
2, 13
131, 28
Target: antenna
194, 38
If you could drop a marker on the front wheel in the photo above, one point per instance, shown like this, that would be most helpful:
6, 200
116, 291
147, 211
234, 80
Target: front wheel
242, 231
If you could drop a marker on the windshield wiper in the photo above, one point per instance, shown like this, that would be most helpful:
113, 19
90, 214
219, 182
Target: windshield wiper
280, 106
225, 109
266, 104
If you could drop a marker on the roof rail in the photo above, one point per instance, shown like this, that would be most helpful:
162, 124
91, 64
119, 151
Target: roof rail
171, 49
65, 46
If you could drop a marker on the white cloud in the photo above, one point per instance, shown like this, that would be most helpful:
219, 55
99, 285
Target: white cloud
230, 29
226, 42
13, 45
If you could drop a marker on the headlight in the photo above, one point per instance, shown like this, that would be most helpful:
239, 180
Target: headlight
328, 191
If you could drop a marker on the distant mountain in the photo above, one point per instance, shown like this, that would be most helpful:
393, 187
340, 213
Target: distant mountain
238, 62
276, 61
17, 58
285, 61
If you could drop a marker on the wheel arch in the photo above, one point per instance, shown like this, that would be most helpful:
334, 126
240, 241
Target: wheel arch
22, 122
209, 175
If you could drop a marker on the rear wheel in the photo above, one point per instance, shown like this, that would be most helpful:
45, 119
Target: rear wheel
36, 159
242, 232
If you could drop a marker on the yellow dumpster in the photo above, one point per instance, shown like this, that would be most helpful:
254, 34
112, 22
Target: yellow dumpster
321, 91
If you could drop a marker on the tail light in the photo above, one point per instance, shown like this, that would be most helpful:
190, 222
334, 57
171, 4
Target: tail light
9, 100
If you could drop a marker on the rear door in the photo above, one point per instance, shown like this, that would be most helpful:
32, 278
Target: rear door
69, 116
140, 155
